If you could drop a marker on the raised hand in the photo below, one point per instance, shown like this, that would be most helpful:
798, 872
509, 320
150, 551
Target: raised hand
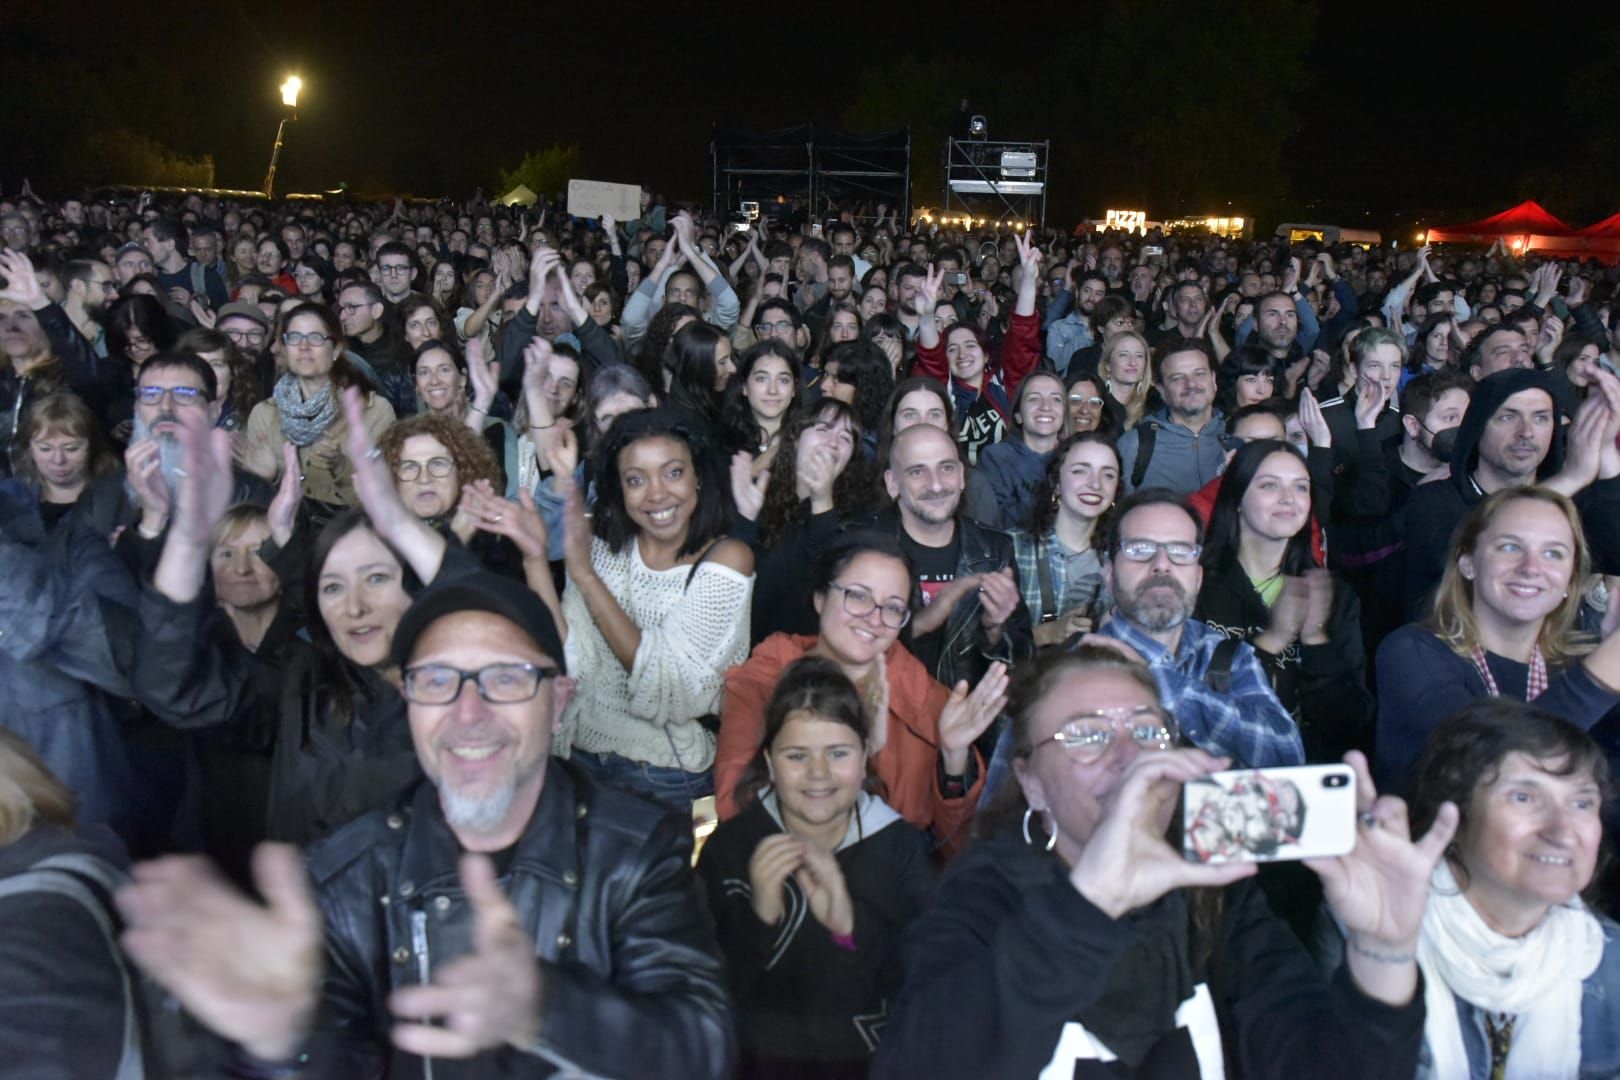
999, 598
373, 482
822, 881
1290, 280
1318, 585
143, 464
22, 286
1380, 890
484, 373
577, 537
251, 972
484, 1000
748, 490
818, 471
1371, 398
773, 861
205, 484
536, 363
1127, 863
1312, 420
283, 512
967, 715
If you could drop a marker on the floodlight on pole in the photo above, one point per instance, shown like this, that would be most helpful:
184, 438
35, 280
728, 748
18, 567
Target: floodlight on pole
289, 103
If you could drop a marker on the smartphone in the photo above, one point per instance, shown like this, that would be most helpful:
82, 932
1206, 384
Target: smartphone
1269, 815
1151, 250
957, 278
815, 229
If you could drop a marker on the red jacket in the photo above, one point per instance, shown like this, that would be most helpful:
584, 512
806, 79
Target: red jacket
908, 764
1020, 353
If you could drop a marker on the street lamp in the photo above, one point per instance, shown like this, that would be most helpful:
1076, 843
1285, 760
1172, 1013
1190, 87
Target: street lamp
289, 102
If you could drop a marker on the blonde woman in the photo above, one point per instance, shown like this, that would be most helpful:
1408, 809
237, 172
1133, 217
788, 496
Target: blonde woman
71, 1003
1504, 625
1128, 375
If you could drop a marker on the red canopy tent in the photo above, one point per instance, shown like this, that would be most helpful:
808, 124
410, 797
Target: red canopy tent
1522, 227
1600, 241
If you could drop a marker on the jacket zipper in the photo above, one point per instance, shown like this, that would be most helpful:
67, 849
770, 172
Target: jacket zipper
424, 967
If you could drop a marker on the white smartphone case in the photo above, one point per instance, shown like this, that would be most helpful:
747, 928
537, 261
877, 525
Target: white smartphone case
1270, 815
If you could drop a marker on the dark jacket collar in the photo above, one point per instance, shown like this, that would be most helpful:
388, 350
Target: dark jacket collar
547, 848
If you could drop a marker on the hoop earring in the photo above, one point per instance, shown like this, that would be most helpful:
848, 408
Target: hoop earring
1051, 841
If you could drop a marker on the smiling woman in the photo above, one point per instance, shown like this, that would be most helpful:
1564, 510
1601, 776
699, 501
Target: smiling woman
1504, 625
656, 607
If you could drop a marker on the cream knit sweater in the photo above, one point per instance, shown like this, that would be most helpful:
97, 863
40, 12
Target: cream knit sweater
691, 634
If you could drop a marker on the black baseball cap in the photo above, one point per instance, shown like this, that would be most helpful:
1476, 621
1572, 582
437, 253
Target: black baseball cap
481, 591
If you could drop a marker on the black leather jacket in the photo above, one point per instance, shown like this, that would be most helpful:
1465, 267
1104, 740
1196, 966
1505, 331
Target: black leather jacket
965, 653
631, 979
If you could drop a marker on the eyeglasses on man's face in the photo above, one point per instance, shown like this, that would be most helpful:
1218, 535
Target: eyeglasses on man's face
1145, 551
180, 395
498, 684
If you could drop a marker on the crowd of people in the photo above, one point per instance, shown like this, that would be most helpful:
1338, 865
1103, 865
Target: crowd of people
388, 591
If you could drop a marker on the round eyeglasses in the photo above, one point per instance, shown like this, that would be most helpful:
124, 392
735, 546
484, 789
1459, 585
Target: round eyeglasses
860, 603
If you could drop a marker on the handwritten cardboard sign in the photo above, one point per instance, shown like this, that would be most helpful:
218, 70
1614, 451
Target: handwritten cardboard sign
593, 198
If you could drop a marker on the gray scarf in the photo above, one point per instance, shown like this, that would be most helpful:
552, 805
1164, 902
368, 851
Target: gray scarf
304, 421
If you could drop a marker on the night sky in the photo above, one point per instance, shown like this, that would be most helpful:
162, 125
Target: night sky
1397, 109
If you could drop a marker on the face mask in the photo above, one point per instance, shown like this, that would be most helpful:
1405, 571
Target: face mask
1442, 442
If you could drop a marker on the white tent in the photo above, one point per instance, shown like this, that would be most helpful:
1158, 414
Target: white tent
518, 196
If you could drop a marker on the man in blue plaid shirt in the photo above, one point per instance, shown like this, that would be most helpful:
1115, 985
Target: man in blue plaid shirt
1155, 577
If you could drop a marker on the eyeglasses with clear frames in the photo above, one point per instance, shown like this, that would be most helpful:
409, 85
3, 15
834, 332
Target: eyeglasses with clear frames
1087, 400
439, 467
314, 337
1145, 551
860, 603
498, 684
1087, 737
255, 337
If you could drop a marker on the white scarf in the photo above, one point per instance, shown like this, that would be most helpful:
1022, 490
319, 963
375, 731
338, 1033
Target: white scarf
1536, 978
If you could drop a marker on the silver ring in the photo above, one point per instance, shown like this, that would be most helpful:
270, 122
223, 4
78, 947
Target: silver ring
1367, 820
496, 518
373, 454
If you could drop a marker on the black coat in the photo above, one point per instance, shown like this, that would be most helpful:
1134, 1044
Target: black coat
1323, 687
602, 883
1011, 964
805, 1006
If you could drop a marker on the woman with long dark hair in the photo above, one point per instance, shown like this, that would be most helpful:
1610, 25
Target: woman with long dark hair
817, 482
339, 740
697, 369
812, 885
656, 608
1263, 585
1060, 566
764, 393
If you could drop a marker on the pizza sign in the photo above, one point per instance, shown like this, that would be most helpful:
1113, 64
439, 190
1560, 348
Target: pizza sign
1128, 220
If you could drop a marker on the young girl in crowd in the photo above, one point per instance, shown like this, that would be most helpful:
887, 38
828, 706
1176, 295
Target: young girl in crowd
812, 885
921, 734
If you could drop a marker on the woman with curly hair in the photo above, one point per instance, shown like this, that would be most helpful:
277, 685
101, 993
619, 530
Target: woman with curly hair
816, 483
858, 374
434, 459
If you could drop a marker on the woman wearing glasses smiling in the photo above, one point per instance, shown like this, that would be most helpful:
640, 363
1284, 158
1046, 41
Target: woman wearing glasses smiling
1099, 950
921, 734
303, 412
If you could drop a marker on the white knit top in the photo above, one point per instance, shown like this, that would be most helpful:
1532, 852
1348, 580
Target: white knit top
691, 634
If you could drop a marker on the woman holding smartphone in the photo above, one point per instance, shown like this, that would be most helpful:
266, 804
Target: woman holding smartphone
1090, 939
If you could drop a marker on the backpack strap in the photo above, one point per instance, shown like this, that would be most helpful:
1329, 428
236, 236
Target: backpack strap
65, 875
1218, 677
1043, 571
199, 280
1147, 433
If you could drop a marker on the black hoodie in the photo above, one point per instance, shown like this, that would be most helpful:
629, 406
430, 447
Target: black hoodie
1436, 509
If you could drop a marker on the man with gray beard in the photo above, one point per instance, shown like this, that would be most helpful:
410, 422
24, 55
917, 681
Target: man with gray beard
1216, 687
508, 911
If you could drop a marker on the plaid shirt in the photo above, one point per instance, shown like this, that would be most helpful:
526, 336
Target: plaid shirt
1059, 561
1247, 723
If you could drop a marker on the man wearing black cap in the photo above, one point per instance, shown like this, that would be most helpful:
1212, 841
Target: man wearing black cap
572, 938
1512, 435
